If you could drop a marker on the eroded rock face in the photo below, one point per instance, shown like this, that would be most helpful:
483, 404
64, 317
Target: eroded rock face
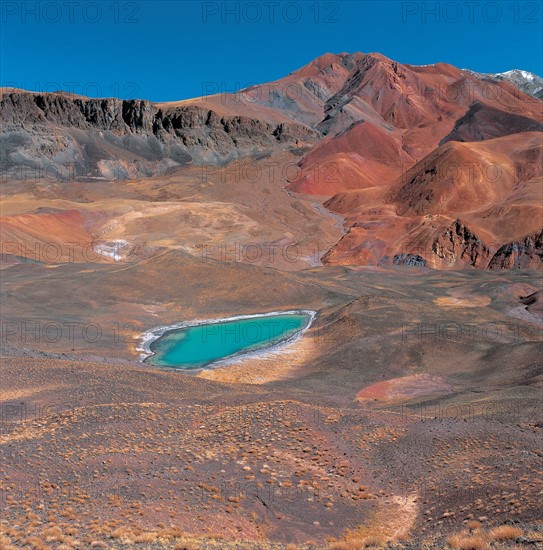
54, 130
458, 242
526, 253
410, 260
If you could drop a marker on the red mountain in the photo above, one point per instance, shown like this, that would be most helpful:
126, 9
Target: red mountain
419, 159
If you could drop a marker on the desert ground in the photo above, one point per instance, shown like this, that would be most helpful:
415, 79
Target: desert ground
409, 415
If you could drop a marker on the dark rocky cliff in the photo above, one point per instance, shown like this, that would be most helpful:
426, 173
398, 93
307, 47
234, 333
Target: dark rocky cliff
458, 242
526, 253
46, 133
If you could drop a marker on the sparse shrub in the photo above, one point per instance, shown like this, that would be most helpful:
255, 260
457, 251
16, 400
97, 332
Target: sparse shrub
172, 532
53, 534
505, 532
187, 546
5, 543
374, 541
358, 543
462, 542
123, 533
146, 537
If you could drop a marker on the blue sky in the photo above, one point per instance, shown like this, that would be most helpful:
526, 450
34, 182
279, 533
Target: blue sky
167, 50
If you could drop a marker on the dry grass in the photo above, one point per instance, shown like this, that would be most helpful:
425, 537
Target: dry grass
146, 537
359, 543
463, 542
5, 543
124, 534
169, 533
505, 532
478, 539
187, 546
346, 545
53, 534
34, 542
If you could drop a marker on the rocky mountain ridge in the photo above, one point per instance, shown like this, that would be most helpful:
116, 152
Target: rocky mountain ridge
526, 81
133, 137
429, 165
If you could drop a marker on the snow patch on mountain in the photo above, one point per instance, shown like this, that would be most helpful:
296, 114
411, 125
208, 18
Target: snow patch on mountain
525, 81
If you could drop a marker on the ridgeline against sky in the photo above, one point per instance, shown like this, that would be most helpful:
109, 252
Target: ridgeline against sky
164, 51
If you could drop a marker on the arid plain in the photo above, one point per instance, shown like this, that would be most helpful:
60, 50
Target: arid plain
409, 414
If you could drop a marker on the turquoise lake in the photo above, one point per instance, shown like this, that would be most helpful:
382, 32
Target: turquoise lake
195, 347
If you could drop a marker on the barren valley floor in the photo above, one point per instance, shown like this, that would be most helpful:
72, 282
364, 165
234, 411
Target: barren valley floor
410, 407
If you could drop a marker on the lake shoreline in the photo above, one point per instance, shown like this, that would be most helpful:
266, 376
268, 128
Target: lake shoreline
148, 338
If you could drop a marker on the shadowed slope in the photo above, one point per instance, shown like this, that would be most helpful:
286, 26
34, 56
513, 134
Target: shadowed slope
483, 122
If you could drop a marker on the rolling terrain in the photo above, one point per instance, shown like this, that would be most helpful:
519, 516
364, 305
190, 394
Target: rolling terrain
401, 203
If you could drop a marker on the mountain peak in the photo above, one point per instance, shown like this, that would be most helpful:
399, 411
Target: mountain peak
525, 81
326, 61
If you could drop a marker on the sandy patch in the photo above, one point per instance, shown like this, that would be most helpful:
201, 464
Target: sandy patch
266, 368
470, 301
392, 521
21, 393
405, 387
